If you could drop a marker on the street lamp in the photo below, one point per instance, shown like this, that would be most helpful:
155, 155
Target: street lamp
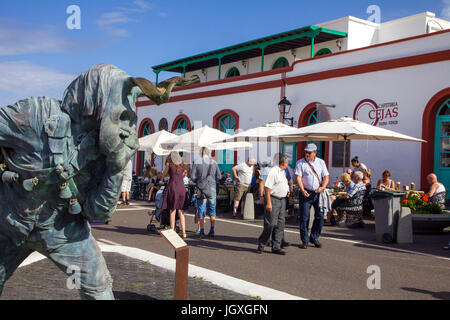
285, 106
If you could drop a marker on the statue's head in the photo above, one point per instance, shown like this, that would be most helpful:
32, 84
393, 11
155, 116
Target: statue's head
103, 98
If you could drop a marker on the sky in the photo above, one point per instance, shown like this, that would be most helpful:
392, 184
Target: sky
41, 52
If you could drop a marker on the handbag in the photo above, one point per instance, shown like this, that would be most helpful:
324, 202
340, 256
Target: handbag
202, 186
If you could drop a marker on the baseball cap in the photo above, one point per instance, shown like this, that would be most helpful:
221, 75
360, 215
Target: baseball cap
311, 147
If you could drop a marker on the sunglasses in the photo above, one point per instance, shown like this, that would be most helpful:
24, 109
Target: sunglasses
309, 152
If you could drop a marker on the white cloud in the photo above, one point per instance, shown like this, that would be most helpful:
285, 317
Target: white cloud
445, 12
113, 22
22, 79
18, 40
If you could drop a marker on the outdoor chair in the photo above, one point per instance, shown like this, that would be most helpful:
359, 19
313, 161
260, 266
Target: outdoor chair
223, 197
353, 208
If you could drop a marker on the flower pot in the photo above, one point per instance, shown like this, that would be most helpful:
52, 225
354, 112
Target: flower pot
430, 223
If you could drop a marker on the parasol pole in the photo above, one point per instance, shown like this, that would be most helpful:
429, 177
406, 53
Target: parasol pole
345, 144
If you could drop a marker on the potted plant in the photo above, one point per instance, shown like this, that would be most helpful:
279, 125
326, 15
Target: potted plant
427, 217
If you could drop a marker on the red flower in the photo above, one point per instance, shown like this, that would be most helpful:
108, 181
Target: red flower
425, 198
405, 201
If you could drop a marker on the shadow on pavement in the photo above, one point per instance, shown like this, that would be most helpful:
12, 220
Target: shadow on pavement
443, 295
127, 295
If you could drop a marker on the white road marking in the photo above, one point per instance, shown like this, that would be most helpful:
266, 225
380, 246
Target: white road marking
34, 257
337, 239
109, 242
219, 279
135, 208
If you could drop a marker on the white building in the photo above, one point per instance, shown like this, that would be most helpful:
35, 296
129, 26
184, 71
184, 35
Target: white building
394, 74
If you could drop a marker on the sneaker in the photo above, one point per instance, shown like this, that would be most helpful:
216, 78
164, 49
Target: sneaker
260, 250
316, 242
303, 246
211, 234
197, 231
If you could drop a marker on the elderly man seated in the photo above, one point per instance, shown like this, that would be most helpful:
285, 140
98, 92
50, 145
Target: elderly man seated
352, 202
437, 192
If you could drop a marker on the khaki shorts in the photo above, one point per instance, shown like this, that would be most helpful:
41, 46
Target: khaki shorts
239, 191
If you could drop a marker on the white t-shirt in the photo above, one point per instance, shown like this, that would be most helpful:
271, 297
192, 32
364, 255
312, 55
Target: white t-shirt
361, 167
277, 183
245, 173
309, 179
128, 171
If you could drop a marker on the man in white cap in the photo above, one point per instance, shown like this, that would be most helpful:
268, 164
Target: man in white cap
312, 179
243, 173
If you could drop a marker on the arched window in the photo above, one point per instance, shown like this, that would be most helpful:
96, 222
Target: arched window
233, 72
181, 125
281, 62
146, 128
226, 121
322, 52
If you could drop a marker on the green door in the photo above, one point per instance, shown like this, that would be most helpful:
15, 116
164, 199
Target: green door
290, 150
225, 158
146, 157
442, 146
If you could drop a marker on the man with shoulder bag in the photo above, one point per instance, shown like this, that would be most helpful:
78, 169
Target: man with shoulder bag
312, 179
206, 174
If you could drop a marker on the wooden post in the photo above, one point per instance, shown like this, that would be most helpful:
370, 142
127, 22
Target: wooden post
182, 262
181, 273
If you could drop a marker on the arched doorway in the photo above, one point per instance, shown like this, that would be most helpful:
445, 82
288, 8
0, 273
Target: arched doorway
309, 117
442, 145
435, 155
146, 128
182, 125
226, 121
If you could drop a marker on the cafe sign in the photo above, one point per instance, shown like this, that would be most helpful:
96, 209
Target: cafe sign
383, 114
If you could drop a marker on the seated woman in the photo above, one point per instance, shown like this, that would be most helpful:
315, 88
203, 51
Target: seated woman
353, 202
386, 183
155, 185
337, 201
437, 192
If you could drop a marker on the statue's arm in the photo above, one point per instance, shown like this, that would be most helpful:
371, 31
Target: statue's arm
101, 203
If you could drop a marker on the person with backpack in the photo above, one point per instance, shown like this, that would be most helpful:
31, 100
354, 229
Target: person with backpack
206, 174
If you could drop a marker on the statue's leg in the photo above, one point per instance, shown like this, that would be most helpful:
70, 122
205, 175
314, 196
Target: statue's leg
11, 257
85, 255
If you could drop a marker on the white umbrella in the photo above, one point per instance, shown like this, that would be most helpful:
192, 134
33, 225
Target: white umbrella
204, 137
267, 132
152, 142
345, 129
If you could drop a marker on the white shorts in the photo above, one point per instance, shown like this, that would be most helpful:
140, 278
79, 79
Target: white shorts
126, 185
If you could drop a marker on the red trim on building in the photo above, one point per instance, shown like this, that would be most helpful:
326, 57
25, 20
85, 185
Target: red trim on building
335, 73
177, 119
373, 46
216, 118
428, 131
139, 153
303, 122
372, 67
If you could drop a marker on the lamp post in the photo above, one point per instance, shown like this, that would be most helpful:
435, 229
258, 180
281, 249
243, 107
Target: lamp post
285, 106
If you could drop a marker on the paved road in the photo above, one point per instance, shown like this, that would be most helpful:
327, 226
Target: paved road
336, 271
